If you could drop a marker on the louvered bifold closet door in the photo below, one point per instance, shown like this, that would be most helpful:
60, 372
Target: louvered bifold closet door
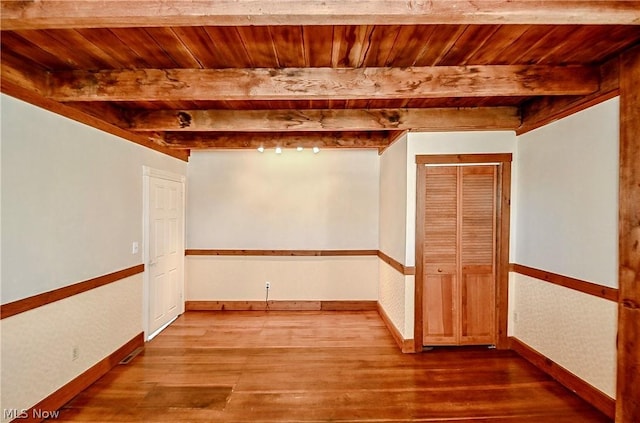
458, 268
440, 251
477, 203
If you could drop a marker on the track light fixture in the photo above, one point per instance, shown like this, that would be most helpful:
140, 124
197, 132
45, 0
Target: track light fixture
279, 149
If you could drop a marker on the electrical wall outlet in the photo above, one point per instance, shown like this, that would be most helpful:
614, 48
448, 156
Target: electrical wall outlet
267, 285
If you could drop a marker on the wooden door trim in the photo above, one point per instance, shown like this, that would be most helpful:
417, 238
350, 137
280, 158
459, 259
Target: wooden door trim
502, 251
503, 161
418, 325
453, 159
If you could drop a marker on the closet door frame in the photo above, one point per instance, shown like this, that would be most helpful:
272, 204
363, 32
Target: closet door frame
503, 211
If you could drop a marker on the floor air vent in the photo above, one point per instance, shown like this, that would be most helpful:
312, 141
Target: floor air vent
131, 356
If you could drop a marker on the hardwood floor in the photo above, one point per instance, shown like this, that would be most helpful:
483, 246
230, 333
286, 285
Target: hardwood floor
317, 366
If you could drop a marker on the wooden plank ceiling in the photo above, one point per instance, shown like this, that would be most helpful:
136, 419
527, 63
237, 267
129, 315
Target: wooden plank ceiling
177, 75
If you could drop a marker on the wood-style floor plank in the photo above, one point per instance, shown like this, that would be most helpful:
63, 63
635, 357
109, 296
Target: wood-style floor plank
317, 366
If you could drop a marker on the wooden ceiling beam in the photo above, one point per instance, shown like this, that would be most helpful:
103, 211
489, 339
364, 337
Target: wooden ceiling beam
47, 14
30, 77
435, 119
321, 83
253, 140
541, 111
628, 342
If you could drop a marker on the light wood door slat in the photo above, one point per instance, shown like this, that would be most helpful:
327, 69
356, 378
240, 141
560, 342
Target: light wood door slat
478, 222
440, 217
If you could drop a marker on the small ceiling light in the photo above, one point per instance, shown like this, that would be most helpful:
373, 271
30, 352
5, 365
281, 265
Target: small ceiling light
261, 149
316, 150
299, 148
278, 150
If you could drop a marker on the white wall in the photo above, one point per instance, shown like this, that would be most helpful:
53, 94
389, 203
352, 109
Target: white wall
231, 278
296, 200
292, 201
567, 224
393, 200
394, 287
568, 185
71, 208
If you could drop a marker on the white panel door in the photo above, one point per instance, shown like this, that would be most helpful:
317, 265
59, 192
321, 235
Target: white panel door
166, 251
